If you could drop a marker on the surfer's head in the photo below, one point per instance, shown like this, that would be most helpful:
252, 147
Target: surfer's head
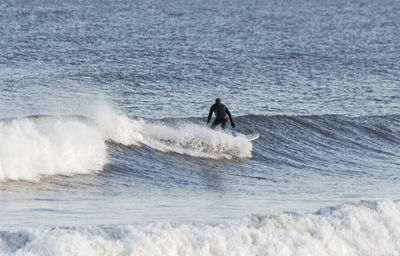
217, 100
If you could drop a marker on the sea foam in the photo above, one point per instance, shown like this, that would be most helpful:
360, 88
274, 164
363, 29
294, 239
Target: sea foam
183, 138
32, 147
364, 228
35, 146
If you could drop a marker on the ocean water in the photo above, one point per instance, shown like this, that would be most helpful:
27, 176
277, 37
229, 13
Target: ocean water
104, 147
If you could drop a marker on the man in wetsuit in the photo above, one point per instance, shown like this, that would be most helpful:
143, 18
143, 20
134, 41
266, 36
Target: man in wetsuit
220, 111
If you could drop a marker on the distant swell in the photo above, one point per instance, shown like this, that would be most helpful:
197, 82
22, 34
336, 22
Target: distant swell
364, 228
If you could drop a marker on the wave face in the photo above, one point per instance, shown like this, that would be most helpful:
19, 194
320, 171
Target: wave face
331, 143
46, 145
364, 228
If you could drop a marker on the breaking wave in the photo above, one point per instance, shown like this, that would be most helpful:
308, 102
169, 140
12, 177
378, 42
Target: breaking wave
36, 146
47, 145
363, 228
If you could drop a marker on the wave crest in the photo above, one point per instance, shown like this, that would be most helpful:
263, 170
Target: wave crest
32, 147
47, 145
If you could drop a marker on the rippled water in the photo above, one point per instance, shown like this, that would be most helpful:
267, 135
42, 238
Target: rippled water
158, 59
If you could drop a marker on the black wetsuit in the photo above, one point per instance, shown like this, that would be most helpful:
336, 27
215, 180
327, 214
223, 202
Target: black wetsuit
220, 111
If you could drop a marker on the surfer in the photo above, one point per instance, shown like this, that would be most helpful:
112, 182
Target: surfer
220, 111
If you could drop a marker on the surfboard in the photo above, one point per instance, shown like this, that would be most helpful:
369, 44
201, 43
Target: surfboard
252, 137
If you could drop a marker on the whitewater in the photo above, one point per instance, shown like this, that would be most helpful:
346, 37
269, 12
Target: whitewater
363, 228
65, 145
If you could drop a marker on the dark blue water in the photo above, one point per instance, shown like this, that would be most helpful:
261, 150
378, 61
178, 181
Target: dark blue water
103, 137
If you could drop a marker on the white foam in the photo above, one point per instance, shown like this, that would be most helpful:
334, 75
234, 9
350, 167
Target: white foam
49, 145
31, 148
366, 228
184, 138
196, 140
118, 127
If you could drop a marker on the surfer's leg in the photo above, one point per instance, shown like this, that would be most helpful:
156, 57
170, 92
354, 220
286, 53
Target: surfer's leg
215, 123
223, 123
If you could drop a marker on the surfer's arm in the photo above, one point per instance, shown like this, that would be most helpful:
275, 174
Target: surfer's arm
230, 117
210, 114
